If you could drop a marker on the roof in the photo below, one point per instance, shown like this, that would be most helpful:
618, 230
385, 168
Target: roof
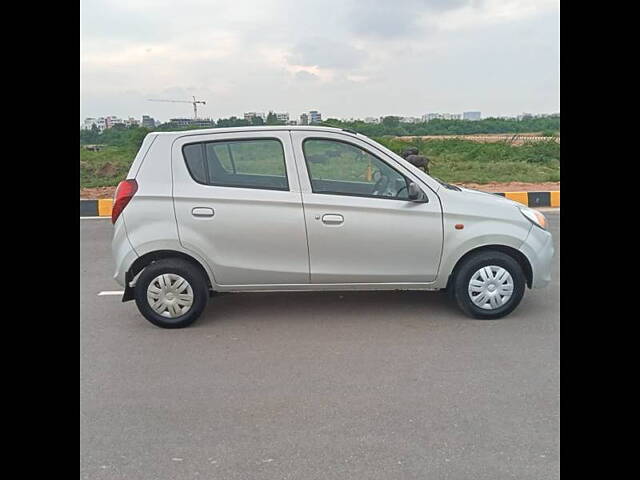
266, 128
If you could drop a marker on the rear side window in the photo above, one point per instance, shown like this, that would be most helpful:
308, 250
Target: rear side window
238, 163
194, 155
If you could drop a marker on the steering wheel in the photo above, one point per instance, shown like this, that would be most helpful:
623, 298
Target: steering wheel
400, 190
381, 184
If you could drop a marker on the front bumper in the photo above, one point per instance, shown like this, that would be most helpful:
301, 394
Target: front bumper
538, 248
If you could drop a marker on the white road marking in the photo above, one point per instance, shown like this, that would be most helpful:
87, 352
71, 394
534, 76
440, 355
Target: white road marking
111, 292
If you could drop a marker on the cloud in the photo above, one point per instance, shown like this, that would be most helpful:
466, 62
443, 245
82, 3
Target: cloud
326, 53
344, 57
305, 76
382, 19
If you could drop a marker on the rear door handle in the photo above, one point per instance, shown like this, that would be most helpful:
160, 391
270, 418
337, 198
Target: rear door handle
332, 219
202, 212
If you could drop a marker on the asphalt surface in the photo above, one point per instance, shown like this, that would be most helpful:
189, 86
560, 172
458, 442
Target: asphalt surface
366, 385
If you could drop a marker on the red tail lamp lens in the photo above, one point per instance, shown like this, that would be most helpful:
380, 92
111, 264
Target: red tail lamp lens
124, 193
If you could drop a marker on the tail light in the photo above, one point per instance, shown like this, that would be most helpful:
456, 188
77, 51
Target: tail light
124, 193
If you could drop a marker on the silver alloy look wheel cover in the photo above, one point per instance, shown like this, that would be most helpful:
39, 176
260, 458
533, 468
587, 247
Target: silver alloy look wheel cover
170, 295
490, 287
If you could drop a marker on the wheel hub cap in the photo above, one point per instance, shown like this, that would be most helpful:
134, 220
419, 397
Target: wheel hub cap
491, 287
170, 295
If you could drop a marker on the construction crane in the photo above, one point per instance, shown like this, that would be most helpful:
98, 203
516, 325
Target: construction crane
194, 102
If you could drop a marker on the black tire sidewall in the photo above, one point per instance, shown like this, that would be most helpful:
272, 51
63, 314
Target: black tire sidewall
179, 267
472, 265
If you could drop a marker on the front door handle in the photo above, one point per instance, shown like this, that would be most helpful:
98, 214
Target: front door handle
202, 212
332, 219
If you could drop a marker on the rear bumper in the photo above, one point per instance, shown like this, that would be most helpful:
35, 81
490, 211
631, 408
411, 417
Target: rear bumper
538, 248
123, 253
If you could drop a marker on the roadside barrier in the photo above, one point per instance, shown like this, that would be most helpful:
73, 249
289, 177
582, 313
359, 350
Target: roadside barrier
103, 206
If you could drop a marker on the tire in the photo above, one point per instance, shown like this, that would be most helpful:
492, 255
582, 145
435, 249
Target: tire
496, 305
168, 277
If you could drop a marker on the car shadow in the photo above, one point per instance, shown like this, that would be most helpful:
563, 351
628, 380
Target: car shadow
327, 306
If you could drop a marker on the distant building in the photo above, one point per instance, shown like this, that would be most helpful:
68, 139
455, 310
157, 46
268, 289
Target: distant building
102, 123
148, 122
315, 116
427, 117
111, 121
471, 116
372, 120
89, 122
282, 117
304, 119
525, 116
410, 119
190, 122
249, 116
131, 122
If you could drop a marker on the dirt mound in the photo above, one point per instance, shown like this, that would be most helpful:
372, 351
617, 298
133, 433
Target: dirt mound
97, 193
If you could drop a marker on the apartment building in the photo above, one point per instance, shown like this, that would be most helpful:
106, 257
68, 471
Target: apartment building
315, 116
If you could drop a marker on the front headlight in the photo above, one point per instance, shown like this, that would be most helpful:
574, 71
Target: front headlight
535, 217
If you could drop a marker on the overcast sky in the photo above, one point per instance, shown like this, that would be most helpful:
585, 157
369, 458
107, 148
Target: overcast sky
345, 58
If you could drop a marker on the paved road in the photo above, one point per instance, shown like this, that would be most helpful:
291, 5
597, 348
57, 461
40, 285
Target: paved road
392, 385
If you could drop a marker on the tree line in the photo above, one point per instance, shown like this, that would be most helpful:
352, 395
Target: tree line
120, 135
395, 127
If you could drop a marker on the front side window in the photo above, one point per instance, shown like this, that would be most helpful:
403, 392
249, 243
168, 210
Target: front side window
239, 163
344, 169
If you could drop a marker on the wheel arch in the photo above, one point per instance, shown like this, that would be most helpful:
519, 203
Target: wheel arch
148, 258
514, 253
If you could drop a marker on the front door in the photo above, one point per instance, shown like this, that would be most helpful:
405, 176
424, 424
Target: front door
361, 226
237, 204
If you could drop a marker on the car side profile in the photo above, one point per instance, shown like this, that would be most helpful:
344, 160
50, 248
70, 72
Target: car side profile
285, 208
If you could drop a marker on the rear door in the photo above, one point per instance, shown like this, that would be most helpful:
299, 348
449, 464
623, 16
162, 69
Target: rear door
238, 205
362, 228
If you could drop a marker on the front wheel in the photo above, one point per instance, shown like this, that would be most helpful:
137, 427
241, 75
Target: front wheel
489, 285
171, 293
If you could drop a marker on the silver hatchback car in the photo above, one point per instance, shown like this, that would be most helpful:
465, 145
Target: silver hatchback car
311, 208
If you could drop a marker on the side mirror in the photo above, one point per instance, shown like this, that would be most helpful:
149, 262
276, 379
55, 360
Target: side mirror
414, 193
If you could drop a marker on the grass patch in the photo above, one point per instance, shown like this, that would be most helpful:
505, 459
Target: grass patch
462, 161
105, 168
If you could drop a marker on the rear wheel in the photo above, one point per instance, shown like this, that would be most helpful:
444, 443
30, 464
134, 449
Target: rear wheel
171, 293
488, 285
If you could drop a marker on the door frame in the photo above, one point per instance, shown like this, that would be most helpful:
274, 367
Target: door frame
180, 175
297, 140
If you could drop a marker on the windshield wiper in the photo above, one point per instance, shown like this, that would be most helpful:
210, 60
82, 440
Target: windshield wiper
447, 185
